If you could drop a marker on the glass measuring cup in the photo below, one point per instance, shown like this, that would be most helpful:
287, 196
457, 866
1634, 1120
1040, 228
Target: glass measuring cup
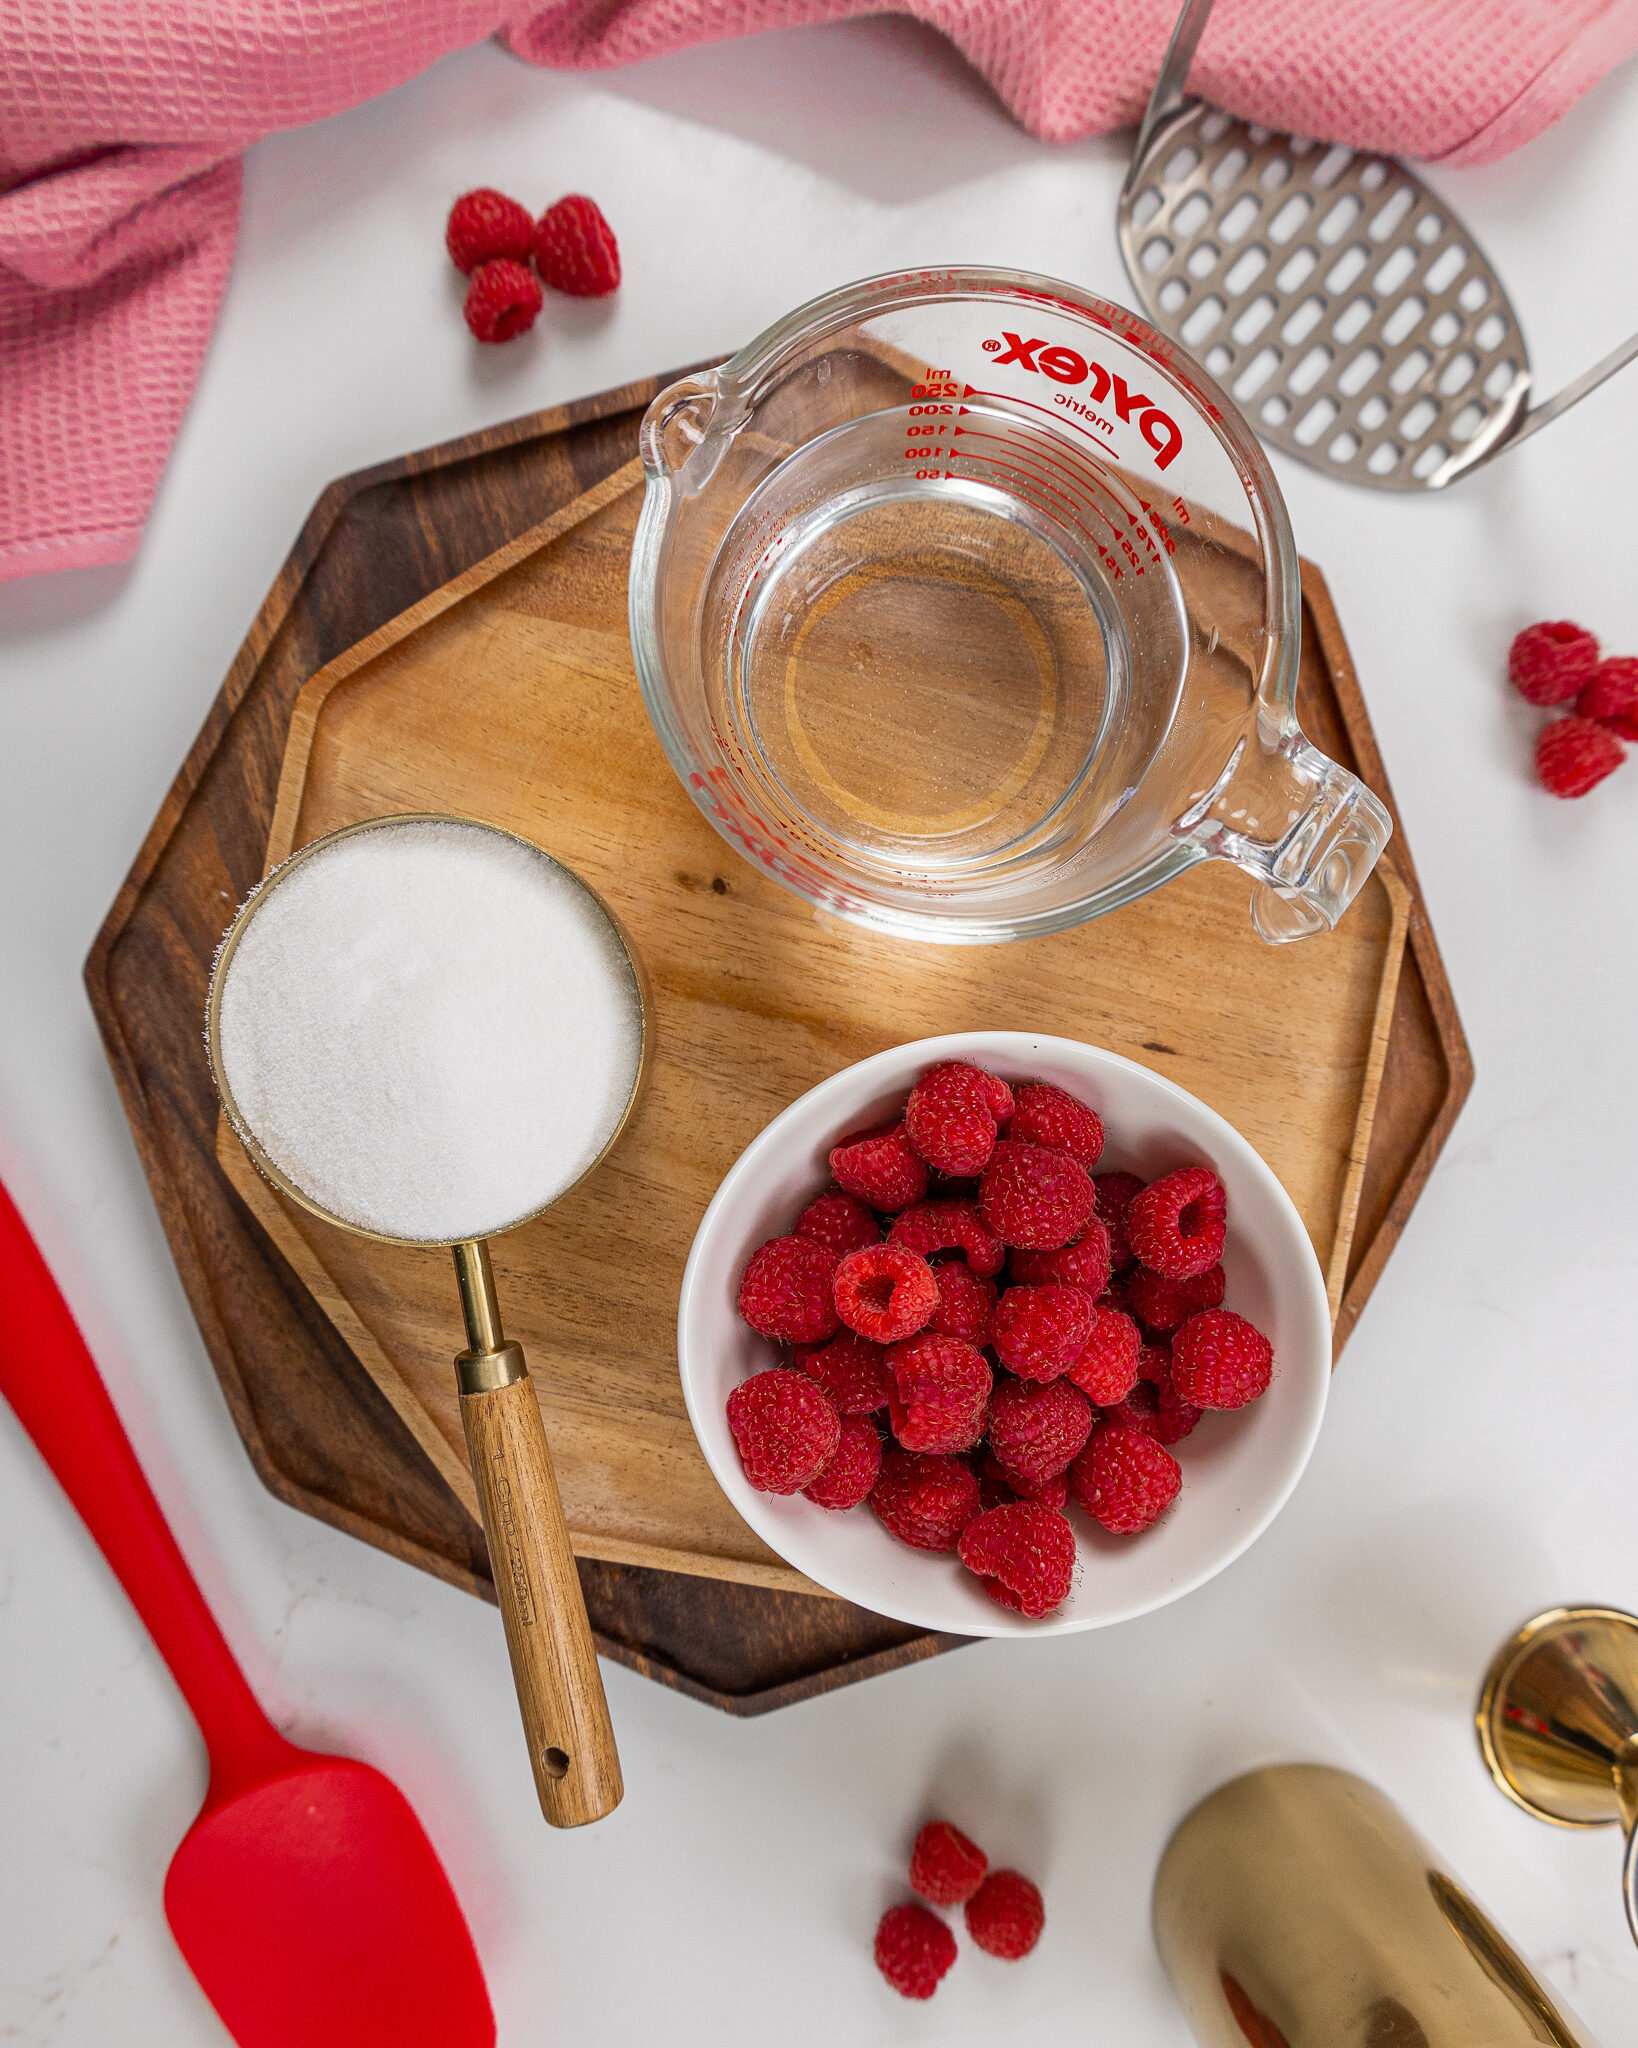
966, 604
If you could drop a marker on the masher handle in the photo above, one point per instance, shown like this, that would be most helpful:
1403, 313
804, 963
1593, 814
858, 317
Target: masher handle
554, 1660
1168, 94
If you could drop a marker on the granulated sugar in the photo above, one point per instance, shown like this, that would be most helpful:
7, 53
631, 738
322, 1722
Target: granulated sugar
430, 1029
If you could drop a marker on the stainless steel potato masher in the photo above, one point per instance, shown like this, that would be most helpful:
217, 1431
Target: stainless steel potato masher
1353, 318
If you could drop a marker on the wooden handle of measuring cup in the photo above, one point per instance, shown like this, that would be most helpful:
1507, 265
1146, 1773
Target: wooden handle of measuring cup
554, 1661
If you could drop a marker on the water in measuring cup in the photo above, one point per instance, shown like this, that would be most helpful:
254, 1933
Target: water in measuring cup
942, 653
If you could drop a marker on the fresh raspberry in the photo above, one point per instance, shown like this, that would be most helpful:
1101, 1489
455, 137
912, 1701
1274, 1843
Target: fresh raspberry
1175, 1418
1612, 696
841, 1221
966, 1303
1549, 662
1219, 1360
1166, 1305
1124, 1479
953, 1115
914, 1948
924, 1501
575, 249
942, 1386
1033, 1199
850, 1371
1024, 1556
854, 1467
1035, 1432
1574, 755
787, 1432
995, 1489
945, 1866
1041, 1331
1140, 1409
1107, 1369
944, 1226
1083, 1264
1113, 1192
879, 1167
485, 224
1045, 1115
1005, 1915
1155, 1363
1176, 1225
885, 1292
997, 1486
787, 1291
502, 300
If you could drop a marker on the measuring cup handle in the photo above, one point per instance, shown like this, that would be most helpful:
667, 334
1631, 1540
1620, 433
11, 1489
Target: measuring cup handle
554, 1660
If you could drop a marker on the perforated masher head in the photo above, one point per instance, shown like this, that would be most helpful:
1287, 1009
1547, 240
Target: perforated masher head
1350, 315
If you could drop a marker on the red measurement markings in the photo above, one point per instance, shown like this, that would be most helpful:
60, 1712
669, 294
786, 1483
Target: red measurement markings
1064, 463
1056, 413
1051, 488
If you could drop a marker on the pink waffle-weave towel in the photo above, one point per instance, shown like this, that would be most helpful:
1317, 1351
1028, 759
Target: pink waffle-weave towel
121, 122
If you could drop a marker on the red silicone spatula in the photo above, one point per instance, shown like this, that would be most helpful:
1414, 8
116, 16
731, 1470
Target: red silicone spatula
306, 1897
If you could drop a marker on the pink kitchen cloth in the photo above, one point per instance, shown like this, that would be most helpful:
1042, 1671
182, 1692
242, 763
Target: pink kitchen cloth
121, 123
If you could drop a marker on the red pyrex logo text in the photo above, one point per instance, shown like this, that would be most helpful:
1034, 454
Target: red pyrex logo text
1066, 366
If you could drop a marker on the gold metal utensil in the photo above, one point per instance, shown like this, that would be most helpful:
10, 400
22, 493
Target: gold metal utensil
1558, 1725
1297, 1908
572, 1750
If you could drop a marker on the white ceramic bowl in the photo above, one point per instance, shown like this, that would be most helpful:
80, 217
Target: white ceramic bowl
1238, 1469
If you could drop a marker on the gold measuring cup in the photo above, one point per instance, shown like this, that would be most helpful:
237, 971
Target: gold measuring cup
554, 1660
1558, 1725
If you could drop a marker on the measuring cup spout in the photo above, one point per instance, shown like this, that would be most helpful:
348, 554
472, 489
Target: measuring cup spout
1305, 830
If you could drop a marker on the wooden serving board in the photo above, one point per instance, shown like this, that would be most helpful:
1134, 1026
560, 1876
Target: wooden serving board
508, 694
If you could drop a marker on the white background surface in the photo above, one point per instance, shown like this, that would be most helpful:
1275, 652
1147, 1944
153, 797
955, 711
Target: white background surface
1476, 1463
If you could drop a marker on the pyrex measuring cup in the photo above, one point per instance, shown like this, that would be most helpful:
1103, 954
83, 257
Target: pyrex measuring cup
966, 604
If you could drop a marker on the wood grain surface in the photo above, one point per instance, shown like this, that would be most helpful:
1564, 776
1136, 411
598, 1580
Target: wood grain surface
510, 696
319, 1429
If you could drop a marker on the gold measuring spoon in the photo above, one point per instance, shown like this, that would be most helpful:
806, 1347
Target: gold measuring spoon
554, 1661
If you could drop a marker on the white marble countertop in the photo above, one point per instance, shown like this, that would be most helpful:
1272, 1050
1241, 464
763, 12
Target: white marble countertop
1476, 1463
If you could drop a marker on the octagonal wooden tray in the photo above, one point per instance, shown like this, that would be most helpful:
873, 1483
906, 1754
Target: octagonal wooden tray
346, 1425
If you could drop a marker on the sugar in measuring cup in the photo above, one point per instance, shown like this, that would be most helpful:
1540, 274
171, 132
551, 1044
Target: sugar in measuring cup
426, 1030
966, 604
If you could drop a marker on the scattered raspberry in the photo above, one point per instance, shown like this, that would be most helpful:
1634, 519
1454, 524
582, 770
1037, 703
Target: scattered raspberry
1612, 696
946, 1226
1219, 1360
485, 224
786, 1292
786, 1431
1574, 755
841, 1221
1166, 1305
945, 1866
1045, 1115
1041, 1331
924, 1501
914, 1948
942, 1386
1034, 1199
1024, 1555
966, 1303
1113, 1192
1176, 1224
1549, 662
1036, 1431
854, 1467
953, 1115
502, 300
850, 1371
575, 249
885, 1292
1005, 1915
1124, 1479
1084, 1264
1107, 1369
879, 1167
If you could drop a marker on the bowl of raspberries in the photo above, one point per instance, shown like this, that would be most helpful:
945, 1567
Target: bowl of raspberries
1000, 1334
